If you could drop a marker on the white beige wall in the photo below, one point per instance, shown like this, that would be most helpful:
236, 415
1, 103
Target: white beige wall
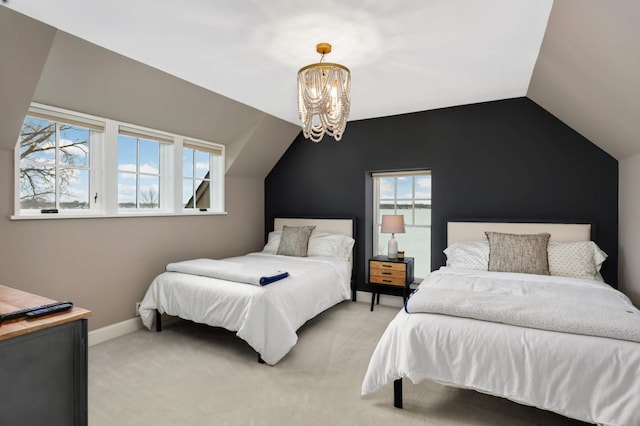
629, 228
106, 265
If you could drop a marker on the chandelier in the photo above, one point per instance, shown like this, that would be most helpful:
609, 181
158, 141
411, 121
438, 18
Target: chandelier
324, 97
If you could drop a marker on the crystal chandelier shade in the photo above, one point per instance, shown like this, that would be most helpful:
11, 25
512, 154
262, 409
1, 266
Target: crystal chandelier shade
324, 98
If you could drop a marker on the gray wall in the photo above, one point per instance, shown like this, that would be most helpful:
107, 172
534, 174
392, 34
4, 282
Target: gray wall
506, 159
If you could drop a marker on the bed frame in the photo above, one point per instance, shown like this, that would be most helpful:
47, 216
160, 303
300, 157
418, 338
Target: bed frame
474, 230
344, 226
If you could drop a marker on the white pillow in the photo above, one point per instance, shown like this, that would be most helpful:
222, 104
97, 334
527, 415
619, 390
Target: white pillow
468, 255
320, 244
273, 242
577, 259
331, 245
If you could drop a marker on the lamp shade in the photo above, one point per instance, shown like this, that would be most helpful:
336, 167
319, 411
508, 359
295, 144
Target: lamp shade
392, 224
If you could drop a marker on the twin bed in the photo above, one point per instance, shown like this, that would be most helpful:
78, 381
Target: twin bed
565, 342
265, 316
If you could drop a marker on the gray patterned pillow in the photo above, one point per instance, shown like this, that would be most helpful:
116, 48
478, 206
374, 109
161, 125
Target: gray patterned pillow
526, 253
295, 240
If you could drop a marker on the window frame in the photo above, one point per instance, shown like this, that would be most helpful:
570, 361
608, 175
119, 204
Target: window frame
376, 177
216, 173
104, 171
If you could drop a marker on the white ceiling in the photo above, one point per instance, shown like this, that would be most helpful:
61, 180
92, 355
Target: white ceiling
406, 56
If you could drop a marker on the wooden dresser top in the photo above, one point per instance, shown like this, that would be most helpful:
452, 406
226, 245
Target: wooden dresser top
12, 299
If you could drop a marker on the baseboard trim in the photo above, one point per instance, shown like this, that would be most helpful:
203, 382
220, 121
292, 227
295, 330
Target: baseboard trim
114, 330
385, 299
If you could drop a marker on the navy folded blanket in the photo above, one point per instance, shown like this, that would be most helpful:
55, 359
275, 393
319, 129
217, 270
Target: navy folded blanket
273, 278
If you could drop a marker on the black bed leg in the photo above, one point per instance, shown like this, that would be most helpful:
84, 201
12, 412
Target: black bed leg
158, 321
260, 360
397, 393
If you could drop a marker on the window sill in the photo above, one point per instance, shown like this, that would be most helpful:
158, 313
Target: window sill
49, 216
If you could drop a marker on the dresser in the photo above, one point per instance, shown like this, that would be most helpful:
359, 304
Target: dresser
43, 364
384, 271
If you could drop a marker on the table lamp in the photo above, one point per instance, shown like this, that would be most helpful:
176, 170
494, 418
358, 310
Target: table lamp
393, 224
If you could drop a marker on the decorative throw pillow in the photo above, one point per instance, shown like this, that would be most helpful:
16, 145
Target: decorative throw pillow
577, 259
524, 253
295, 240
468, 255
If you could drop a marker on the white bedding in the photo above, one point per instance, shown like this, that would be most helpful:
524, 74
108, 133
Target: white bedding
545, 302
593, 379
265, 317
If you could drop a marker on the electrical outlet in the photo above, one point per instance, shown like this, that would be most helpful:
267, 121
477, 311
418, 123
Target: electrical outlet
138, 309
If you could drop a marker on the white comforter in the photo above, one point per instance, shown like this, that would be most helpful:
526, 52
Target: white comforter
594, 379
265, 317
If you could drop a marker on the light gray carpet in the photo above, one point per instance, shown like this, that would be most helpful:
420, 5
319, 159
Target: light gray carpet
191, 374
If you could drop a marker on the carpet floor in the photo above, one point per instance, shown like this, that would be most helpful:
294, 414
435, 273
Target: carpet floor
191, 374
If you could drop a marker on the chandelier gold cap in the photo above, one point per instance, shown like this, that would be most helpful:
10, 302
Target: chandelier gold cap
323, 48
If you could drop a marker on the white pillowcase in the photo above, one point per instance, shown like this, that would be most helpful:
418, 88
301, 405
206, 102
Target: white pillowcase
577, 259
331, 245
320, 244
273, 242
468, 255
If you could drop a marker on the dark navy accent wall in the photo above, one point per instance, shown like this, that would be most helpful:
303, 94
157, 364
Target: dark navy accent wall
506, 159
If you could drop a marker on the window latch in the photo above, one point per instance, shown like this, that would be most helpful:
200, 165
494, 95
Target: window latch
95, 198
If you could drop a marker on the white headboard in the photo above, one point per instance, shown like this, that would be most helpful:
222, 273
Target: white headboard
475, 231
334, 226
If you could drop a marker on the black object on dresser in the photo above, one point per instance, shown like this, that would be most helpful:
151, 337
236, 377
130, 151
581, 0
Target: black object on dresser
384, 271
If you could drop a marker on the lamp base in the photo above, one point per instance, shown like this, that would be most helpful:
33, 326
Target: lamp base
392, 248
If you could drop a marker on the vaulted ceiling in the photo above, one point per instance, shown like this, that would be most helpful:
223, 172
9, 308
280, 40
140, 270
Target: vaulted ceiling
577, 59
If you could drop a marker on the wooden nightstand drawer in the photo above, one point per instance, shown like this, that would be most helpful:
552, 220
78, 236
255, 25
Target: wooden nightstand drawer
376, 279
393, 266
387, 272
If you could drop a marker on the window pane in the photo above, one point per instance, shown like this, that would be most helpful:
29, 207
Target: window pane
405, 187
127, 156
405, 208
202, 194
423, 187
187, 162
126, 190
203, 163
416, 243
387, 188
74, 146
37, 187
149, 192
38, 141
385, 208
187, 193
74, 189
149, 157
423, 212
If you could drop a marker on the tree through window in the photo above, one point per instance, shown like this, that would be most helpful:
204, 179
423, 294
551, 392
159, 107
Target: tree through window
55, 165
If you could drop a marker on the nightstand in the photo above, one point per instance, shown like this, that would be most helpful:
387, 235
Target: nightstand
390, 272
